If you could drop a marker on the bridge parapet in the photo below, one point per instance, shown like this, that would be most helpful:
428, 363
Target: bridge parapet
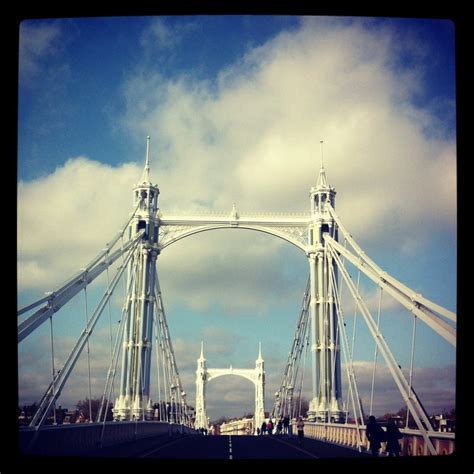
77, 439
412, 443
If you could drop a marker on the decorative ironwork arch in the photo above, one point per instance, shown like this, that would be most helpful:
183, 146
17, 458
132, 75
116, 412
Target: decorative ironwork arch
291, 228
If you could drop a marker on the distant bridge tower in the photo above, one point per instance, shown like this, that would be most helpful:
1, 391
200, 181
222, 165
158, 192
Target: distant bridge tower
204, 375
134, 397
326, 404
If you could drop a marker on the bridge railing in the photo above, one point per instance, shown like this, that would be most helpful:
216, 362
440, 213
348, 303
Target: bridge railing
412, 444
81, 438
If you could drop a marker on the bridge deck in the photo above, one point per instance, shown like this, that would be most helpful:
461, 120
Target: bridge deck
227, 447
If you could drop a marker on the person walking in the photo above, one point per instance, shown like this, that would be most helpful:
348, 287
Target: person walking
300, 429
393, 434
375, 434
263, 429
279, 426
270, 426
286, 423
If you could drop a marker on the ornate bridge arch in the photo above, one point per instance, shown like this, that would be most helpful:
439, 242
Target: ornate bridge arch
249, 374
205, 375
290, 227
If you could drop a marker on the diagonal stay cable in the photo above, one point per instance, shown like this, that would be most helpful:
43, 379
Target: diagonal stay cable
60, 299
72, 280
412, 400
44, 408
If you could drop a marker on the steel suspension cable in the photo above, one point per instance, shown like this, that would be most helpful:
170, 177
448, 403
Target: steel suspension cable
351, 378
108, 389
49, 399
158, 350
326, 329
300, 340
302, 374
61, 297
376, 351
414, 403
142, 380
341, 280
400, 291
412, 358
354, 325
333, 369
330, 307
110, 322
174, 374
91, 264
86, 313
53, 371
355, 317
294, 356
107, 395
166, 382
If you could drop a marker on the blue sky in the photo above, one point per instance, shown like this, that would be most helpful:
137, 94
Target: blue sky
236, 107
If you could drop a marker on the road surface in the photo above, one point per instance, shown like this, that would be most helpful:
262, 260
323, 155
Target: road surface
227, 447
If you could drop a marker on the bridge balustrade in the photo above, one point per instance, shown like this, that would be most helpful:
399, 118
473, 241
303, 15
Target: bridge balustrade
412, 444
77, 439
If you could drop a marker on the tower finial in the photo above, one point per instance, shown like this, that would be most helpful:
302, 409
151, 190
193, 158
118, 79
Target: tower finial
202, 350
260, 351
322, 182
146, 171
322, 161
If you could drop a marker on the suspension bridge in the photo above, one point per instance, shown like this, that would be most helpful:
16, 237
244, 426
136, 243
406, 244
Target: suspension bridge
161, 416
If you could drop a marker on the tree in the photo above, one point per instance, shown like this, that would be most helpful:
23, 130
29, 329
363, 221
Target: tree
83, 406
303, 411
450, 414
222, 419
402, 413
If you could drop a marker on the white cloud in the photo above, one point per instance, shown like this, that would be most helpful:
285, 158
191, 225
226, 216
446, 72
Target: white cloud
66, 218
255, 137
434, 386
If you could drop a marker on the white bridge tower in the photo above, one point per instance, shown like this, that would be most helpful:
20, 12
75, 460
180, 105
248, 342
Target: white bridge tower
326, 404
134, 401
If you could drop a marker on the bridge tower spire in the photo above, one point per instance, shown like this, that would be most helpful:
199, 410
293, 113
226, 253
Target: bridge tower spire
201, 381
133, 401
259, 415
326, 404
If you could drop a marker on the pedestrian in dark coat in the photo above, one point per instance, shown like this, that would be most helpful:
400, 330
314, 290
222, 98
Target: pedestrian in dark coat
393, 434
375, 434
286, 423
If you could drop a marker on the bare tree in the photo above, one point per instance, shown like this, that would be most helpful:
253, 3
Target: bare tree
83, 406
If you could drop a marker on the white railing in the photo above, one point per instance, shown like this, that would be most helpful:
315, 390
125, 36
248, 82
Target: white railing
412, 444
225, 214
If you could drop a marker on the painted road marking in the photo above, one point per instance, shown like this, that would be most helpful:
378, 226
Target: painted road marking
295, 447
165, 445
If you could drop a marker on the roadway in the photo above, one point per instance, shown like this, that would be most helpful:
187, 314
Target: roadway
227, 448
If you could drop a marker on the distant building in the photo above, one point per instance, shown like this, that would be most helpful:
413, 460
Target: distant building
398, 420
214, 430
443, 424
243, 426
